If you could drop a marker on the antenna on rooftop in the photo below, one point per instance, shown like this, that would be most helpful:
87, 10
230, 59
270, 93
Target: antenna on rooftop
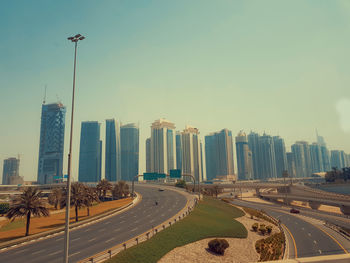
44, 100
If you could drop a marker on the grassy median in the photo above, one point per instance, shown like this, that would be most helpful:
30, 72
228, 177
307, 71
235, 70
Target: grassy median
211, 218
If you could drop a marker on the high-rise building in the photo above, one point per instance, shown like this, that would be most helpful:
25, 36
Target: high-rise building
336, 159
219, 154
90, 152
191, 153
52, 125
112, 151
316, 158
129, 146
253, 143
299, 159
163, 146
280, 155
267, 155
10, 174
324, 153
307, 158
291, 164
178, 150
244, 157
148, 155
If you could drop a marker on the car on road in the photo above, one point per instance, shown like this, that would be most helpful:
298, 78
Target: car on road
294, 211
160, 190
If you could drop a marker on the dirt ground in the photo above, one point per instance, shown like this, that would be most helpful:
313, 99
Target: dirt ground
57, 218
240, 250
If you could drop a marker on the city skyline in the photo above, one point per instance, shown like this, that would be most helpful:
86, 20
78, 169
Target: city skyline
233, 73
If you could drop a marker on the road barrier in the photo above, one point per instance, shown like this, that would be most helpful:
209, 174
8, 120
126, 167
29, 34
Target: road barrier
109, 253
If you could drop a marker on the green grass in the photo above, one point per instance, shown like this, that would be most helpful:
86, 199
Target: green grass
211, 218
13, 225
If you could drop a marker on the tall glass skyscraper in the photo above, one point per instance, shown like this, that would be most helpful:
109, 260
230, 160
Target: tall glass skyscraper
112, 151
267, 155
316, 158
129, 146
178, 151
90, 156
244, 157
253, 143
290, 164
10, 174
299, 159
163, 146
52, 125
280, 155
219, 154
148, 155
336, 159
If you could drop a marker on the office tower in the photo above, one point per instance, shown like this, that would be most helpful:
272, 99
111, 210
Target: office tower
299, 159
90, 152
191, 153
253, 143
324, 153
178, 151
129, 146
290, 164
316, 158
148, 155
244, 157
343, 159
336, 160
204, 174
10, 174
307, 157
112, 151
50, 164
219, 154
267, 153
280, 155
163, 146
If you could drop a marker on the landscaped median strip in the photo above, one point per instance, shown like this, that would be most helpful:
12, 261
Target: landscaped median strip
21, 241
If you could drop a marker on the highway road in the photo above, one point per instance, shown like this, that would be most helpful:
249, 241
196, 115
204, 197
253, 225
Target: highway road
307, 236
94, 238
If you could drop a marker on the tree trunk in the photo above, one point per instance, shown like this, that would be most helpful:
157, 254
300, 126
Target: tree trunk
28, 223
56, 204
76, 213
88, 210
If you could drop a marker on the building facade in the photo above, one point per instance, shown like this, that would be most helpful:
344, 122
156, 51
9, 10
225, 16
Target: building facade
148, 155
280, 155
253, 143
10, 173
244, 157
316, 158
267, 157
112, 151
90, 156
50, 164
178, 151
129, 146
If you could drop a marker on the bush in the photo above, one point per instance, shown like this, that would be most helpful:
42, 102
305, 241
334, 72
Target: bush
181, 184
269, 229
218, 246
255, 227
262, 229
4, 208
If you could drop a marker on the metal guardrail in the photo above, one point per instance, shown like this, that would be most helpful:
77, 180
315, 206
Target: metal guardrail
109, 253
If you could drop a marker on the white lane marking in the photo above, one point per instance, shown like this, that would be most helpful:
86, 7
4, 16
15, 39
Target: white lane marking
109, 240
134, 229
151, 221
59, 239
54, 253
315, 241
319, 251
296, 223
92, 239
162, 215
121, 222
116, 230
37, 252
102, 229
87, 230
75, 239
302, 228
21, 251
148, 215
107, 223
76, 253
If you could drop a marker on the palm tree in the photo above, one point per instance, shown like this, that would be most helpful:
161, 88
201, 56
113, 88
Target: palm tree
27, 204
103, 186
121, 189
55, 197
78, 198
91, 196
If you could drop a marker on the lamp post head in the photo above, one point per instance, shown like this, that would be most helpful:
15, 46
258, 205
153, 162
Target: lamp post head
76, 38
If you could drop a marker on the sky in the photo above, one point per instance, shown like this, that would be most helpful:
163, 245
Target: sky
280, 67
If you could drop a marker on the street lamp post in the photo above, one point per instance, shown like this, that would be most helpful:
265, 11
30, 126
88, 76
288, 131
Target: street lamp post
75, 40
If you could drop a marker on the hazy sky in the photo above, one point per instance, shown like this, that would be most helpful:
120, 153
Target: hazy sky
277, 66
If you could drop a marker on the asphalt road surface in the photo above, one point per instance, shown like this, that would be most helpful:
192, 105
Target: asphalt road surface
311, 238
94, 238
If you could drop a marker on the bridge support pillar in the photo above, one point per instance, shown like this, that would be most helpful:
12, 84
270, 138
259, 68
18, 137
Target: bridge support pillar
257, 190
345, 210
314, 205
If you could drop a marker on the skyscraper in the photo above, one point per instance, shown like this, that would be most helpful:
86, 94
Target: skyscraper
219, 154
280, 155
267, 157
148, 155
112, 151
244, 157
178, 151
290, 164
336, 159
299, 159
324, 153
10, 174
90, 152
129, 146
316, 158
253, 143
191, 153
50, 164
163, 146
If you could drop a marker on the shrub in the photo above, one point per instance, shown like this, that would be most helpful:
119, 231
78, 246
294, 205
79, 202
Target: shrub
262, 229
181, 184
218, 246
4, 208
255, 227
269, 229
